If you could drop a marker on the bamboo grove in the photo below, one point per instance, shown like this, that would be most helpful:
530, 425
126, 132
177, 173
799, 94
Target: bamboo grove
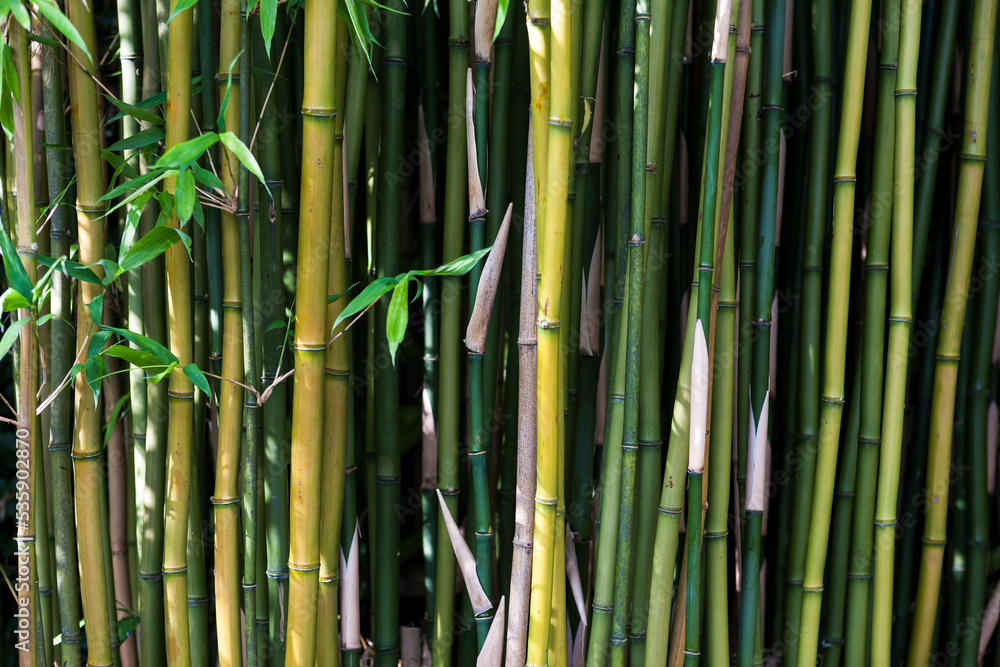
550, 333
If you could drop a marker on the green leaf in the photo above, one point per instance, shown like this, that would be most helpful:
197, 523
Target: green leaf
456, 267
11, 300
20, 13
368, 296
45, 318
148, 344
198, 378
136, 185
181, 6
136, 112
243, 154
50, 11
9, 70
140, 139
10, 335
335, 297
111, 270
95, 308
153, 244
71, 269
220, 121
397, 317
17, 276
98, 341
109, 425
162, 375
126, 626
268, 17
95, 371
502, 7
182, 155
185, 195
138, 358
277, 324
207, 178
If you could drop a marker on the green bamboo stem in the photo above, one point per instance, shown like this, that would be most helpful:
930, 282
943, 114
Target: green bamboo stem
807, 395
311, 332
448, 413
482, 540
836, 333
747, 267
586, 221
635, 285
86, 443
612, 465
387, 472
933, 140
226, 497
840, 529
60, 360
873, 346
649, 437
249, 417
976, 457
207, 38
131, 64
180, 388
764, 276
274, 410
706, 269
30, 512
151, 609
952, 325
672, 491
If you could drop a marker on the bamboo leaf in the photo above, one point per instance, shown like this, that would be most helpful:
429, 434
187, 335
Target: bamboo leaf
9, 70
502, 8
184, 154
98, 341
71, 269
17, 276
397, 317
456, 267
94, 372
138, 358
198, 378
268, 18
184, 194
153, 244
138, 140
220, 120
51, 12
12, 300
368, 296
111, 270
148, 344
10, 335
246, 158
96, 308
179, 7
466, 561
109, 425
136, 112
491, 654
207, 178
20, 13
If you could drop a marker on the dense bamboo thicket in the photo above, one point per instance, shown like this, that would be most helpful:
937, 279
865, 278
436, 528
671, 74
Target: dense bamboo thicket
548, 333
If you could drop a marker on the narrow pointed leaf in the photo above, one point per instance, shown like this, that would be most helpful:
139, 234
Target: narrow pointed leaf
466, 561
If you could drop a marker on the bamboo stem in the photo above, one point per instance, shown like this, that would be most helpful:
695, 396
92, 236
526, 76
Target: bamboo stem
952, 325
